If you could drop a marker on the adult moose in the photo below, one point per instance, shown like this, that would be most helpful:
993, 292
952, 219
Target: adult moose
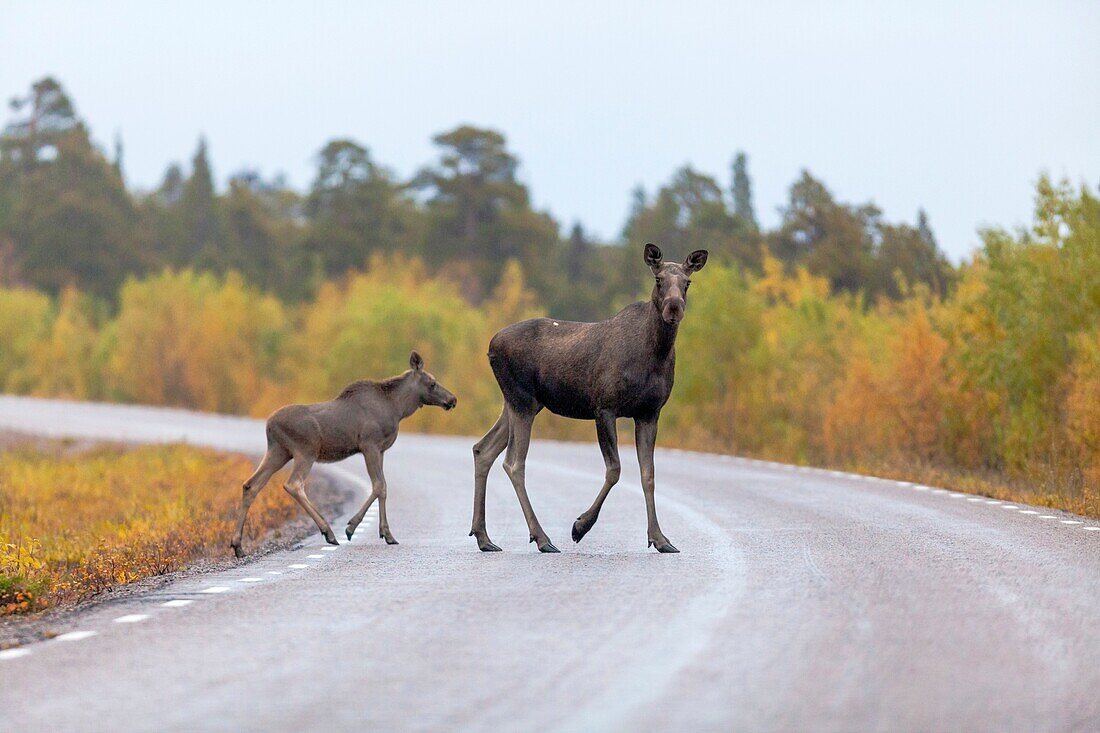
363, 419
621, 367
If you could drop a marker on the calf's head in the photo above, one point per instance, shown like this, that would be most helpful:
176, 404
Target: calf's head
430, 391
673, 280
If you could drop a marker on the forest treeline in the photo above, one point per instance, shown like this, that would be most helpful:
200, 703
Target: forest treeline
835, 338
67, 218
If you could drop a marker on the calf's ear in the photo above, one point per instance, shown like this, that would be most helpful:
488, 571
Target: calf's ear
653, 256
416, 363
696, 260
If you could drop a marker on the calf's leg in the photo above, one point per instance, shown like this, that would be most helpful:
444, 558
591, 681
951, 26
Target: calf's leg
353, 523
296, 487
608, 438
378, 480
275, 458
486, 451
515, 464
645, 437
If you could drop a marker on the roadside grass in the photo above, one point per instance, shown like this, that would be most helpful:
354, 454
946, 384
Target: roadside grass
1055, 491
76, 524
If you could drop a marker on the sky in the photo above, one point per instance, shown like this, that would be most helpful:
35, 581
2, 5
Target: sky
955, 107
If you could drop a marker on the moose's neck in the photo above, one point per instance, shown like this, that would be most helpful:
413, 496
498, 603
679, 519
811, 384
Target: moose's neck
660, 336
406, 398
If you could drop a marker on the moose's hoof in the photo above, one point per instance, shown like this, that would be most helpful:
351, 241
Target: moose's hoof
663, 545
483, 542
349, 532
580, 529
330, 537
546, 546
391, 541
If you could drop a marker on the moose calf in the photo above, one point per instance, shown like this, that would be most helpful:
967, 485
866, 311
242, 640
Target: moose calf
363, 419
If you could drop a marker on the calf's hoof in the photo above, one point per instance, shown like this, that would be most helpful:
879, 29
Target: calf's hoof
349, 532
581, 527
330, 537
545, 545
391, 541
663, 545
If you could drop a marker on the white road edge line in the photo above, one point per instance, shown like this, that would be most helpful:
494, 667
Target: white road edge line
1071, 521
298, 565
177, 603
14, 653
131, 618
1091, 529
215, 589
75, 635
250, 580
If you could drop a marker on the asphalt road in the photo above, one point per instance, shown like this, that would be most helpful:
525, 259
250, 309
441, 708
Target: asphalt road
801, 600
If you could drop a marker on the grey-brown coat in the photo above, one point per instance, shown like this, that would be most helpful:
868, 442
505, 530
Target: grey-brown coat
364, 418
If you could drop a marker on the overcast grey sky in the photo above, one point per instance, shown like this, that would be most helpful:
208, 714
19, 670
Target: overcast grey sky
954, 106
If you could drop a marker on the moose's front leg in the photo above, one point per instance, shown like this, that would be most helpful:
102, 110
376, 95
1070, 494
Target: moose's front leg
645, 438
373, 457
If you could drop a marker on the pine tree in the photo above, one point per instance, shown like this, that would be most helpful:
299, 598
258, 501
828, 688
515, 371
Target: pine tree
742, 191
200, 215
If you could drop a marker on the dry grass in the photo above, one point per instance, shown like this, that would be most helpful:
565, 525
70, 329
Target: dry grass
1056, 492
73, 525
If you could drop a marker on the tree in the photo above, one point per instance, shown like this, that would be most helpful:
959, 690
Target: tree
49, 117
355, 209
203, 235
68, 214
742, 192
690, 213
480, 215
831, 239
910, 255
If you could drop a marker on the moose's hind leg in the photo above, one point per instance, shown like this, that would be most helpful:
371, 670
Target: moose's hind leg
296, 487
275, 458
486, 451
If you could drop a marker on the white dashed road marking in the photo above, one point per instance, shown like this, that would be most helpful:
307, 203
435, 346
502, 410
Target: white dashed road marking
329, 549
1028, 511
1071, 521
314, 557
298, 566
216, 589
1048, 516
131, 618
74, 636
177, 603
1091, 529
249, 580
274, 572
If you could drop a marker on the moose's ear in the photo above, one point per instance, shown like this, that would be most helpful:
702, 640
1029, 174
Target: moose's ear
416, 363
653, 256
696, 260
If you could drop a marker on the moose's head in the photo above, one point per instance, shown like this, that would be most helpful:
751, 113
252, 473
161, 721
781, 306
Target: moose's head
673, 279
429, 391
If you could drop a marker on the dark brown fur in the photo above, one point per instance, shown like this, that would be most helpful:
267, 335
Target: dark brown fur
621, 367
